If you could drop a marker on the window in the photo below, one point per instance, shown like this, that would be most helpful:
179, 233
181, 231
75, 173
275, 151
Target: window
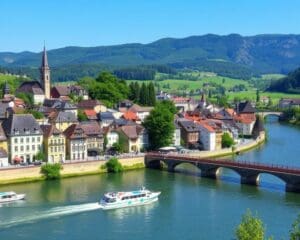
83, 156
27, 140
55, 149
22, 140
16, 148
74, 156
22, 148
33, 147
16, 140
27, 148
33, 139
38, 139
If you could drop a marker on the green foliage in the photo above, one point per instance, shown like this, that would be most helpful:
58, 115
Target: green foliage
227, 140
40, 156
105, 142
27, 98
144, 94
251, 228
107, 88
81, 115
257, 96
113, 165
160, 124
51, 171
35, 114
295, 231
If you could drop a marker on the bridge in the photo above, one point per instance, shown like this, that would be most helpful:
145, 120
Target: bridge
248, 171
265, 114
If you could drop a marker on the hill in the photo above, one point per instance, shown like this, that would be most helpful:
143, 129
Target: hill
231, 55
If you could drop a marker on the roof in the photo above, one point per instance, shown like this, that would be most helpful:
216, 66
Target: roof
189, 126
90, 113
49, 130
89, 103
293, 101
245, 107
59, 104
62, 90
2, 134
33, 87
91, 128
106, 116
75, 131
132, 131
246, 118
59, 117
137, 108
21, 124
129, 115
3, 109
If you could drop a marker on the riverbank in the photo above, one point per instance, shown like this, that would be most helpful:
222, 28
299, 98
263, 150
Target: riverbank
75, 169
32, 173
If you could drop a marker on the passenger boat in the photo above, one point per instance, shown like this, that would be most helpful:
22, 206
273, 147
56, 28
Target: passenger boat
6, 197
114, 200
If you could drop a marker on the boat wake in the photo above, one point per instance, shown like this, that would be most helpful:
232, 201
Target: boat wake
51, 213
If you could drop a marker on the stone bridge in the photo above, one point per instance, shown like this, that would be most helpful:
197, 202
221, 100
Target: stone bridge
265, 114
249, 172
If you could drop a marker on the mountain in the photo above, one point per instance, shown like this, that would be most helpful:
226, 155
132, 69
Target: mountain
288, 84
270, 53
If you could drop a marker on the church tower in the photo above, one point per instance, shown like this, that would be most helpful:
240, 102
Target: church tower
45, 74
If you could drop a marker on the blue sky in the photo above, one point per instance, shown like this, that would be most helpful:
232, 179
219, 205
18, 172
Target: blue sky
24, 25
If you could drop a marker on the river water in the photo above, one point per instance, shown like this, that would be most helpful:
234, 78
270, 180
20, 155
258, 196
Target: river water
189, 207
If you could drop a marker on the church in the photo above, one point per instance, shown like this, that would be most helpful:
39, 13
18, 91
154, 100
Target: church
40, 90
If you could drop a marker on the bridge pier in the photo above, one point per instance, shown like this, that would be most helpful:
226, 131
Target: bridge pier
209, 172
250, 179
292, 187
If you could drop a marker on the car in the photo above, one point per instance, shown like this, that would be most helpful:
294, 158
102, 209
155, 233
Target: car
36, 163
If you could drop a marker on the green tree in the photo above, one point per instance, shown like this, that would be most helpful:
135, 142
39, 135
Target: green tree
81, 116
257, 96
152, 95
105, 142
40, 156
27, 98
227, 140
113, 165
160, 125
51, 171
144, 95
251, 228
295, 231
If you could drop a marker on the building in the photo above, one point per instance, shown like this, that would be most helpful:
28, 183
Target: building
3, 158
176, 135
135, 136
60, 105
76, 142
94, 138
207, 137
62, 120
3, 148
106, 119
111, 135
289, 103
90, 104
245, 117
54, 144
25, 137
65, 91
141, 112
45, 74
189, 133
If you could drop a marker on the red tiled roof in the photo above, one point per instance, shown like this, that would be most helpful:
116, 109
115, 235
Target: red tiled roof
90, 113
129, 115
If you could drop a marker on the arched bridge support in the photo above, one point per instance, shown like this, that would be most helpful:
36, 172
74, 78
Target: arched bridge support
209, 172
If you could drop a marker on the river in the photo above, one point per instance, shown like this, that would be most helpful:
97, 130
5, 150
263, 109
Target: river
189, 207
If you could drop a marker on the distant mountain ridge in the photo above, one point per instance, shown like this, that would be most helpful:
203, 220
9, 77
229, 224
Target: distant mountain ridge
269, 53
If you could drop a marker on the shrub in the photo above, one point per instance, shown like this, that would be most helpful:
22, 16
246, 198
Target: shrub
227, 141
113, 165
51, 171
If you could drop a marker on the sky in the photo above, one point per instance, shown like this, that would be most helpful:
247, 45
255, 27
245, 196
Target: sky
25, 25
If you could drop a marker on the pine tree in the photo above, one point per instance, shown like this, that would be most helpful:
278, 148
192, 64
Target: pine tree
136, 92
152, 96
143, 95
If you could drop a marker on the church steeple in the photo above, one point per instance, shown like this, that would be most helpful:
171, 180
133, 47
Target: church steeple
45, 74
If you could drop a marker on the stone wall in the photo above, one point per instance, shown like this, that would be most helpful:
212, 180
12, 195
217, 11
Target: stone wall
23, 174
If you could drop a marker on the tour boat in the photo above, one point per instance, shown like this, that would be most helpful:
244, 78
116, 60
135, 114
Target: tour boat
6, 197
113, 200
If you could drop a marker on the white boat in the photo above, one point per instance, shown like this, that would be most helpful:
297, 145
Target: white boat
6, 197
114, 200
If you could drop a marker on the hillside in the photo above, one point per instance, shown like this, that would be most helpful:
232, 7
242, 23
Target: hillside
288, 84
226, 55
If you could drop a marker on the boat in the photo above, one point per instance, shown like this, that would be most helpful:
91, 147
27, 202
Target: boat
114, 200
6, 197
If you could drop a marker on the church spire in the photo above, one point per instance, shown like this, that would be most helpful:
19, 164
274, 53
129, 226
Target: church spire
45, 74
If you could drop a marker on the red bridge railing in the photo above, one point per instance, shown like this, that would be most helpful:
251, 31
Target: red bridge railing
227, 163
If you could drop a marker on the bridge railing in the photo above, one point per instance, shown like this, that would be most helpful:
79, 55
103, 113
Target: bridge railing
220, 162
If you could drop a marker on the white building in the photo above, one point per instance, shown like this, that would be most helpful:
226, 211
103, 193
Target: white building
207, 137
25, 137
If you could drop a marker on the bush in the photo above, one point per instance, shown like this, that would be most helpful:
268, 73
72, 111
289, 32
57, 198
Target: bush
227, 141
113, 165
51, 171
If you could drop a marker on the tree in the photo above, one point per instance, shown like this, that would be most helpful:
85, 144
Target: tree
295, 231
152, 95
113, 165
257, 96
27, 98
40, 156
51, 171
251, 228
160, 125
227, 140
144, 96
81, 116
